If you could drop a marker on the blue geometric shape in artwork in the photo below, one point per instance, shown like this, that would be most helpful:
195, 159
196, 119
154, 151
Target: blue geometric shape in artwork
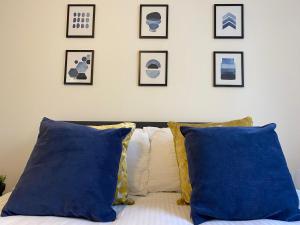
153, 20
73, 72
229, 20
228, 69
153, 68
82, 67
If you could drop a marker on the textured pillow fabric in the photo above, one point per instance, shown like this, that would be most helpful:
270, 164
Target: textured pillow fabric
72, 172
121, 195
138, 163
239, 174
163, 169
185, 184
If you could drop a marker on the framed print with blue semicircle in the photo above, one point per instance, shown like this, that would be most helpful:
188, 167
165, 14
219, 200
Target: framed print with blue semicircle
229, 21
154, 21
153, 68
79, 67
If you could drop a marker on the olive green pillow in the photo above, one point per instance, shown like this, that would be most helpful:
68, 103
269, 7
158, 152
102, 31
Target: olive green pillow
185, 184
121, 195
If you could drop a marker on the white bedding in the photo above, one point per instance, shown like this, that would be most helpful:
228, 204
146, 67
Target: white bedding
154, 209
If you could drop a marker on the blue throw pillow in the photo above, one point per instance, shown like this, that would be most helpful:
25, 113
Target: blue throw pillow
238, 174
72, 172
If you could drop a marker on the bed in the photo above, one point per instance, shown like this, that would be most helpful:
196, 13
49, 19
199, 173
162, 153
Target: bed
154, 209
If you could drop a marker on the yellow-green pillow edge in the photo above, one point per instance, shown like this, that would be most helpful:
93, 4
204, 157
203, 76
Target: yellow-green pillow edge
123, 163
178, 137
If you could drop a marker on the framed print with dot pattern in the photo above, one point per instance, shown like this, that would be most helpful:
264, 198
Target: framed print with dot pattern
81, 21
153, 68
79, 67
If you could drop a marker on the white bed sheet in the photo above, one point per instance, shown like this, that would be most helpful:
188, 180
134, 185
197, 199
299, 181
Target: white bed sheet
154, 209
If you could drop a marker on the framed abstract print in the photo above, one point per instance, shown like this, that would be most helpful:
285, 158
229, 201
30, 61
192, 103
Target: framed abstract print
153, 68
228, 69
81, 21
79, 67
154, 21
229, 21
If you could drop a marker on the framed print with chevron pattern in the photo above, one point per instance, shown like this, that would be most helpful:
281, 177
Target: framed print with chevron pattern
229, 21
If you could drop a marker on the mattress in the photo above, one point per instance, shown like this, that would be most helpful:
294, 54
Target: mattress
154, 209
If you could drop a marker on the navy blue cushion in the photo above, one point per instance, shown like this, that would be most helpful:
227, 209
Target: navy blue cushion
72, 172
238, 174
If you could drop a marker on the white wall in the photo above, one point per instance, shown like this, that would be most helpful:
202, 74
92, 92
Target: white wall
33, 43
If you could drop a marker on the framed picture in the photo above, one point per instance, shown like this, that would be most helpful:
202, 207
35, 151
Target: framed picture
154, 21
229, 21
81, 21
228, 69
79, 67
153, 68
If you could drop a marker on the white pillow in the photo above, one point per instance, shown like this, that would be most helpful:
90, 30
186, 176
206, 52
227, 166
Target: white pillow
138, 162
163, 168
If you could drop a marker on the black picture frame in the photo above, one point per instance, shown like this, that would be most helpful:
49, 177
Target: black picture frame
166, 36
216, 36
93, 23
66, 68
165, 84
215, 53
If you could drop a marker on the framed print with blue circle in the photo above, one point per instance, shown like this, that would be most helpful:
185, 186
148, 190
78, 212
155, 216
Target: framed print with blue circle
153, 68
81, 21
228, 69
79, 67
154, 21
229, 21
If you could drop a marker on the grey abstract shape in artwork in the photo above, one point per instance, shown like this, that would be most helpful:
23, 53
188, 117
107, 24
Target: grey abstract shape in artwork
81, 76
153, 68
79, 72
228, 69
153, 20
